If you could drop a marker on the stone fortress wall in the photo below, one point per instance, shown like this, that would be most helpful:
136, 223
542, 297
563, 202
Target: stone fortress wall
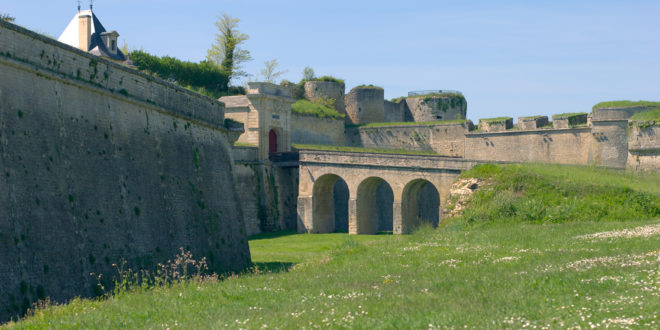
112, 163
100, 164
604, 138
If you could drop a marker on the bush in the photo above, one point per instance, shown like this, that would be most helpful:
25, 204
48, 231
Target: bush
203, 77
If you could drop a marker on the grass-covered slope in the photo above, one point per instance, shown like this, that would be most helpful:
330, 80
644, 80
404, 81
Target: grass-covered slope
305, 107
512, 274
649, 115
625, 104
554, 194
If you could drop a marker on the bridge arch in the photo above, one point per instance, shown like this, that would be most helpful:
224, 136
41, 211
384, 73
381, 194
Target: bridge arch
373, 206
420, 202
330, 204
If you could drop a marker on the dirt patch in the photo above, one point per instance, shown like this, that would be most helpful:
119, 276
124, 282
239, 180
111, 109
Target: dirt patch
460, 194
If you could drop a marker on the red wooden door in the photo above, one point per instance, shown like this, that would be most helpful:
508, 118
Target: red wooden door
272, 141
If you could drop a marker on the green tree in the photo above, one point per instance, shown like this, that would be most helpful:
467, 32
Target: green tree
270, 72
226, 52
7, 18
308, 74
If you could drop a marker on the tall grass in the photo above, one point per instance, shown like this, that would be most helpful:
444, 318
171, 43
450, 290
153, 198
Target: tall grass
555, 194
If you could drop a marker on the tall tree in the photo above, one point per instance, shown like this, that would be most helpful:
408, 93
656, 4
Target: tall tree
226, 52
308, 74
270, 72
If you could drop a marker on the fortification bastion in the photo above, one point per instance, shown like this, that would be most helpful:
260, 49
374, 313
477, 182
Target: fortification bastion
100, 164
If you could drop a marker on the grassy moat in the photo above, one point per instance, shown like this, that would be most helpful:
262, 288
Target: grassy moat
538, 246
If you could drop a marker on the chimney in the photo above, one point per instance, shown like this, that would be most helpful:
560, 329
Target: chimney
84, 31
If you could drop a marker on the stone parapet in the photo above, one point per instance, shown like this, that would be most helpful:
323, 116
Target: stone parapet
568, 120
532, 123
58, 61
495, 124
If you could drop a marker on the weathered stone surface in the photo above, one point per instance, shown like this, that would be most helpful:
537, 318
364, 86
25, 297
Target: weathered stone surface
101, 163
433, 108
445, 139
644, 146
566, 146
568, 121
365, 105
325, 90
307, 129
532, 123
489, 125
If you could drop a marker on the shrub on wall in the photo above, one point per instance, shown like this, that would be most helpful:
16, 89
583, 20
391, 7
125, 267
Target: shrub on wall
204, 77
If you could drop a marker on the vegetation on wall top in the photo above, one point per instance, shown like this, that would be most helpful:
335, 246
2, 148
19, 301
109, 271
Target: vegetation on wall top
532, 117
204, 77
324, 78
370, 86
305, 107
495, 120
412, 123
455, 99
625, 104
568, 115
647, 116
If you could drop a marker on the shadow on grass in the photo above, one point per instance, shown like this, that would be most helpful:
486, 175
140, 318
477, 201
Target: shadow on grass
271, 235
273, 267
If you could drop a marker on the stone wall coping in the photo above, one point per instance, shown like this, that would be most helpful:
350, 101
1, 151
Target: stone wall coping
200, 118
287, 99
536, 131
304, 115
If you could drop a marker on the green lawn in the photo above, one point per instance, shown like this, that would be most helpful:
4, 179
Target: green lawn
488, 277
488, 269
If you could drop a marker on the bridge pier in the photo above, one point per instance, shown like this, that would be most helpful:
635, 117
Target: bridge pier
305, 214
397, 218
352, 217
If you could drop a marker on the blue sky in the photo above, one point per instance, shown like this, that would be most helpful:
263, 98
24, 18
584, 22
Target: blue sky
510, 58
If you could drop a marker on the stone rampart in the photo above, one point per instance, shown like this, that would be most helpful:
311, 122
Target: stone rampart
100, 164
394, 112
365, 105
644, 146
445, 139
325, 90
433, 108
559, 146
309, 129
609, 143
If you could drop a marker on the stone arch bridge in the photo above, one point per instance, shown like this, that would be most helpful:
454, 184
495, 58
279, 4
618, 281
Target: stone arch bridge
408, 179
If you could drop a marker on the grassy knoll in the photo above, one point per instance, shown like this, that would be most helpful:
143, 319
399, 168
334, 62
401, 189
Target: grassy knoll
360, 149
649, 115
504, 274
305, 107
554, 194
625, 104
